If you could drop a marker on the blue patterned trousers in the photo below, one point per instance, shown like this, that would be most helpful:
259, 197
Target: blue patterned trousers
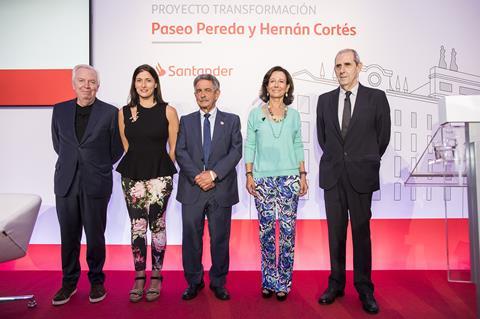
279, 195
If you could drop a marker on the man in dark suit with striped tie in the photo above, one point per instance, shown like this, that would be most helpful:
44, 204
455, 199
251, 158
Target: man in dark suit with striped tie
209, 146
353, 127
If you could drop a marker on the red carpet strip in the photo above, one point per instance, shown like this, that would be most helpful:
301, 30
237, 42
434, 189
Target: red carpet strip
400, 294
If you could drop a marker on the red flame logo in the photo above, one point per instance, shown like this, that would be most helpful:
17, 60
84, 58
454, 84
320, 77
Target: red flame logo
160, 70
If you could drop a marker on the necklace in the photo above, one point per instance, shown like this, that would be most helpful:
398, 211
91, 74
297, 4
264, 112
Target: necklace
276, 136
134, 118
281, 121
277, 119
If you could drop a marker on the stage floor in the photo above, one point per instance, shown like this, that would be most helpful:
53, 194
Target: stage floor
400, 294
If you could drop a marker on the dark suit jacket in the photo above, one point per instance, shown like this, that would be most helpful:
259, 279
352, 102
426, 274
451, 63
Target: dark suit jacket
93, 156
225, 153
366, 141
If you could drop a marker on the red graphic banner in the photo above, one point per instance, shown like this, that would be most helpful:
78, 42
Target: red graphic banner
35, 87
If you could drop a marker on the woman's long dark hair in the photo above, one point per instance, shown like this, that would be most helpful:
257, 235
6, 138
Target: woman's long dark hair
134, 98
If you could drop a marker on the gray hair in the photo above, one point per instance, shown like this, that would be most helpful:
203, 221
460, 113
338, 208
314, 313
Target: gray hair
356, 57
208, 77
84, 66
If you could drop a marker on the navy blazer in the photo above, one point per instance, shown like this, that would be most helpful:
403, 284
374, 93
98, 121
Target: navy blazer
225, 153
93, 156
367, 139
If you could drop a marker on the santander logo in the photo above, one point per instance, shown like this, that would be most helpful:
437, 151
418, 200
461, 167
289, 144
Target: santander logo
183, 71
160, 70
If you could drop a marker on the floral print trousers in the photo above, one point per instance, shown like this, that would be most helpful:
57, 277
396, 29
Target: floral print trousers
147, 204
279, 195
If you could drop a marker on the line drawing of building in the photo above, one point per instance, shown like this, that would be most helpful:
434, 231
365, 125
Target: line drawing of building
414, 115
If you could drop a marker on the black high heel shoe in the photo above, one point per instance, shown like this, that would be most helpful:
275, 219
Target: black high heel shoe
281, 295
267, 293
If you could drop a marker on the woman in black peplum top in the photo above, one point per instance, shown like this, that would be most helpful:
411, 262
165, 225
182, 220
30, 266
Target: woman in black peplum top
147, 124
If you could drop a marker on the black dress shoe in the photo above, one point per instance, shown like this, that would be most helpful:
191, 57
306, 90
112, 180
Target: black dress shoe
220, 292
192, 291
267, 293
281, 295
330, 295
369, 303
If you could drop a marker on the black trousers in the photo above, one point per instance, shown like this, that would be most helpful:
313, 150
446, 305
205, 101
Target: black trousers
219, 221
341, 200
75, 211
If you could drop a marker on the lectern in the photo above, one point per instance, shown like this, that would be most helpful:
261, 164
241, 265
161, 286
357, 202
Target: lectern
452, 161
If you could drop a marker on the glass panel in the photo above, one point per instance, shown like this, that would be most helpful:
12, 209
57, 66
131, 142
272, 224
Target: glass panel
458, 242
445, 165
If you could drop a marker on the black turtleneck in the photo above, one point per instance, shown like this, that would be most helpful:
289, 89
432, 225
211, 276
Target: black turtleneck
82, 114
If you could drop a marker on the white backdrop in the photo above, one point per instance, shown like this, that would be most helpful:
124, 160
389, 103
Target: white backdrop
47, 34
399, 43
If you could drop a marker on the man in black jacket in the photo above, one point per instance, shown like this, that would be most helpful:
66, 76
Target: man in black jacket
353, 127
85, 137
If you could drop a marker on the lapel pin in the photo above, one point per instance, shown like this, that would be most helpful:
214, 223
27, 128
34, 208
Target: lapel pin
221, 123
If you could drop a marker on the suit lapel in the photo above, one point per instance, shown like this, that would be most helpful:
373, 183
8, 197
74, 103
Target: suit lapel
360, 101
218, 129
71, 114
334, 112
196, 127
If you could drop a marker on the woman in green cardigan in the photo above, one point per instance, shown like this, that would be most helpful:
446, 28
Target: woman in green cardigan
276, 177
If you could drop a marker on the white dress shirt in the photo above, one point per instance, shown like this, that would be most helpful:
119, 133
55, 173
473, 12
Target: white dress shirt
341, 102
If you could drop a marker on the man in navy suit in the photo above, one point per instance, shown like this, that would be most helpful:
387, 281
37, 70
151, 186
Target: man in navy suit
209, 146
353, 127
85, 137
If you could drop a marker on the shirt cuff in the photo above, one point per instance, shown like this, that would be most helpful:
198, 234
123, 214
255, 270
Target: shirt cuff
213, 175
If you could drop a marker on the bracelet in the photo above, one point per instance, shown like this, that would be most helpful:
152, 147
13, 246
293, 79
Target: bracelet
248, 173
303, 173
